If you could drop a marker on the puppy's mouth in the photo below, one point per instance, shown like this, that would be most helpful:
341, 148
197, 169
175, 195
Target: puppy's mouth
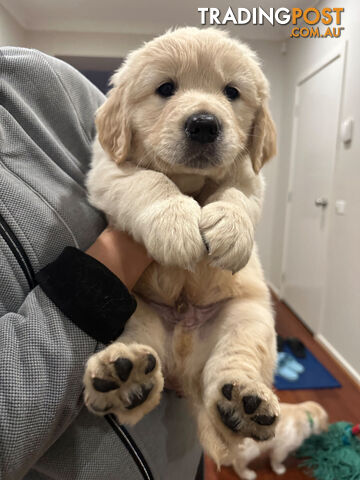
201, 156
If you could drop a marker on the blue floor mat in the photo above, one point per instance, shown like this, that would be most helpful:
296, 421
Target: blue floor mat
315, 375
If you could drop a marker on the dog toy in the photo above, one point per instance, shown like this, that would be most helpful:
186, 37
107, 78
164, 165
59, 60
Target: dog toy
334, 455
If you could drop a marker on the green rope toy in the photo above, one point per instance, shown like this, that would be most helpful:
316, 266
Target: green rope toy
334, 455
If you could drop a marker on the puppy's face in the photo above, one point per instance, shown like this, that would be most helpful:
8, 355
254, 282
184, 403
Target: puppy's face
190, 100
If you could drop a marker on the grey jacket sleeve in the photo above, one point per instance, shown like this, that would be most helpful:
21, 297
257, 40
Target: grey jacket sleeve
42, 357
46, 127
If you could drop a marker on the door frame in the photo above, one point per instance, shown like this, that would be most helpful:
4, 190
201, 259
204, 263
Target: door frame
339, 52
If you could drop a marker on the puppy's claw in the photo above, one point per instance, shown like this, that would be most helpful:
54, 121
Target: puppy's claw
206, 243
139, 398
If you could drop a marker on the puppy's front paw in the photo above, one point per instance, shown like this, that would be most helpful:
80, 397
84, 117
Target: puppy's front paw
246, 409
125, 380
228, 234
171, 232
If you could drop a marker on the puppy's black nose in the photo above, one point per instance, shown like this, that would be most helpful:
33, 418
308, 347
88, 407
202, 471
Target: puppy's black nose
202, 127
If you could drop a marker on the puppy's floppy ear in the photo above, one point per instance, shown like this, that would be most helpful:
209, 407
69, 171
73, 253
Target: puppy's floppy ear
262, 138
112, 123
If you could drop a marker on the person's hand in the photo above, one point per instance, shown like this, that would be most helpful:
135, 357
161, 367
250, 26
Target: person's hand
121, 255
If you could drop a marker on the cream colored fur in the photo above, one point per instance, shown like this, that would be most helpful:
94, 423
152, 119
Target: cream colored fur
291, 431
139, 177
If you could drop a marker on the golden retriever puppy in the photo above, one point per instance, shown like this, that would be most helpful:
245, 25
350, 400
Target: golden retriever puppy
181, 140
297, 422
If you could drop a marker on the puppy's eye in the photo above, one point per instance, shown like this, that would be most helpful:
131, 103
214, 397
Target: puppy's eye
231, 92
166, 89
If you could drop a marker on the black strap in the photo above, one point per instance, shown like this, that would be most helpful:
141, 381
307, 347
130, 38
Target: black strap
131, 446
89, 294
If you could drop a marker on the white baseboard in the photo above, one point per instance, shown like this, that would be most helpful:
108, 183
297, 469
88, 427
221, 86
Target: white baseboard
276, 290
351, 370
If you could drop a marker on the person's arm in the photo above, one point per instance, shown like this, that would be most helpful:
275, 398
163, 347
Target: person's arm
47, 113
43, 352
126, 258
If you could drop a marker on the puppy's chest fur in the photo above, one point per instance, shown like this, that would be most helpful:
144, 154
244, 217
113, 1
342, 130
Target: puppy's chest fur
205, 285
190, 184
198, 186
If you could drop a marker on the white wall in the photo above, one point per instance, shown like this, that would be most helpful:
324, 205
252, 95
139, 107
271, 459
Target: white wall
11, 33
273, 65
341, 322
340, 325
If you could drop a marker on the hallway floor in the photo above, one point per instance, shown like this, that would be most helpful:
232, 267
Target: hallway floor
340, 403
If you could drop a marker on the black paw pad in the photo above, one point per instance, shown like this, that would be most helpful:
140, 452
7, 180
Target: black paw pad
139, 398
101, 410
264, 419
102, 385
251, 403
151, 363
229, 418
123, 367
227, 390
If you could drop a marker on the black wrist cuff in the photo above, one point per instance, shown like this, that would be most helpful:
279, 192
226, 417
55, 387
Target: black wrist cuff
89, 294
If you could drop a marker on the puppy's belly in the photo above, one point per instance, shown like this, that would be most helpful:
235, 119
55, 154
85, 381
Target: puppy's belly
204, 286
188, 351
191, 333
184, 322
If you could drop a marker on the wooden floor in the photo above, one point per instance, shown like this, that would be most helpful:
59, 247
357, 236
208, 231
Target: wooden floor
341, 403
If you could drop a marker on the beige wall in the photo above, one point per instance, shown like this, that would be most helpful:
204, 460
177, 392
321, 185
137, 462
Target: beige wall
85, 44
11, 33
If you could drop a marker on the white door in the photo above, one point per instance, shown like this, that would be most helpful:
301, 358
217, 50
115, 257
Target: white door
313, 160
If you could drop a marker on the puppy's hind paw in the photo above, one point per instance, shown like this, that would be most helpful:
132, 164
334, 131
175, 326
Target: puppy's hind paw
125, 380
246, 410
